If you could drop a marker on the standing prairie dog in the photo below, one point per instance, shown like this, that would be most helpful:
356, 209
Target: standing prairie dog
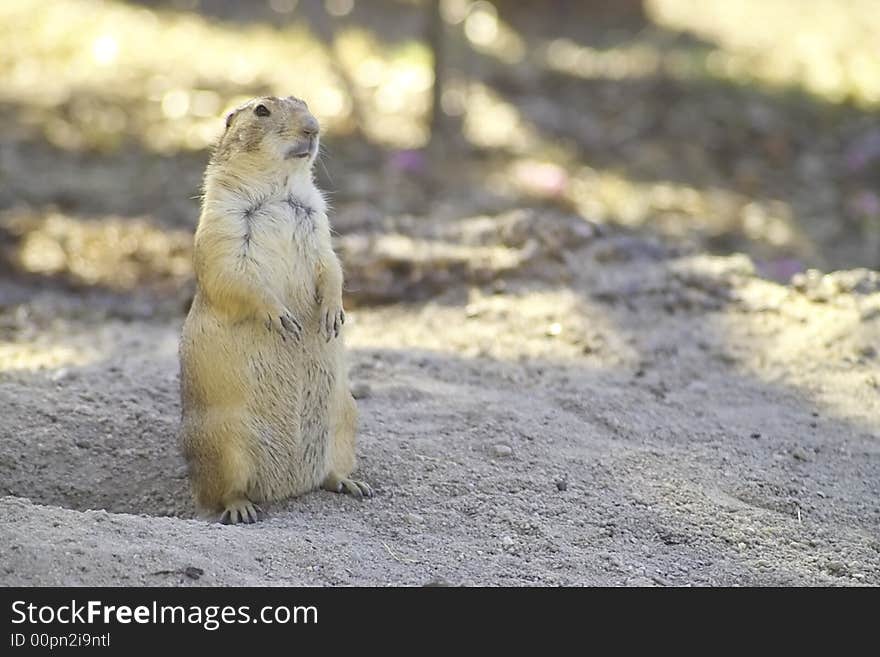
266, 408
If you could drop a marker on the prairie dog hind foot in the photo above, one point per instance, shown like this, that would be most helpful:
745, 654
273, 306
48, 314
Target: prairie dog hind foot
241, 511
353, 487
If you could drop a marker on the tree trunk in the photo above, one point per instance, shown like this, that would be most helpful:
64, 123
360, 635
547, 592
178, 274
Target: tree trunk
437, 43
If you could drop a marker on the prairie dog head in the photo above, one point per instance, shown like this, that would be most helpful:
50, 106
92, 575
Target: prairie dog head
269, 132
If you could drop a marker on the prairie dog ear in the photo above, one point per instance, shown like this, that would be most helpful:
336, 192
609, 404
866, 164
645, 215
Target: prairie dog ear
229, 118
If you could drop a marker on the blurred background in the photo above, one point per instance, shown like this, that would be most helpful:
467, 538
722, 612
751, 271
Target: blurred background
713, 125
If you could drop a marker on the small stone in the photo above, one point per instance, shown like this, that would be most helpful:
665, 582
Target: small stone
507, 541
192, 572
554, 329
561, 485
436, 583
836, 568
414, 518
799, 454
361, 390
502, 450
62, 374
471, 311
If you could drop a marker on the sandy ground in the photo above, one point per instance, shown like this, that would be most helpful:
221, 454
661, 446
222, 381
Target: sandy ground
549, 394
647, 418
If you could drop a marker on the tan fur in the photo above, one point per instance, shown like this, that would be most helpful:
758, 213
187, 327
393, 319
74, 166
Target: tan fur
266, 408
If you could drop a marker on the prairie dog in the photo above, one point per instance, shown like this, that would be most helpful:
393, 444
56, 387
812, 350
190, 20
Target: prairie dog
266, 408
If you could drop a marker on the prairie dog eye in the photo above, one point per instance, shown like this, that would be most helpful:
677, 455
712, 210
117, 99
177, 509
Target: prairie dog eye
261, 110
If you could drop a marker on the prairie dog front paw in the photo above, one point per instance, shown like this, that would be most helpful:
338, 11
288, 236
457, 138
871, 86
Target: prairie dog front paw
283, 321
331, 317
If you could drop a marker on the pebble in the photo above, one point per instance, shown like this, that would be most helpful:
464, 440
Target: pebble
62, 374
414, 518
361, 390
837, 568
192, 572
502, 450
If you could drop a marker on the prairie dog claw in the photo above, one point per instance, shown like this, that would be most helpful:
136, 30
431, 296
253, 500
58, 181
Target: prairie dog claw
242, 511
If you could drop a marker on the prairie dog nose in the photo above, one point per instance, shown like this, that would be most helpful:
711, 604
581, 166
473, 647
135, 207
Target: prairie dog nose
309, 126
